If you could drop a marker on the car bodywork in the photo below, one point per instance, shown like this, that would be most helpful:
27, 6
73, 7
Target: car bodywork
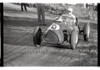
60, 31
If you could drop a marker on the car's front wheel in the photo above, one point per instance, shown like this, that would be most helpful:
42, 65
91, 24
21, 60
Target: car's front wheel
74, 39
37, 36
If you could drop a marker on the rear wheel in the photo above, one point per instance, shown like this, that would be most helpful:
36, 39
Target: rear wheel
86, 31
74, 39
37, 36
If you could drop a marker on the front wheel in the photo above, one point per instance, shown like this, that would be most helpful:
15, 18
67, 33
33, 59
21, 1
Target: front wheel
74, 39
37, 36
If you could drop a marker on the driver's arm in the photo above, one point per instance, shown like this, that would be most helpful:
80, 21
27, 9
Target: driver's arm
59, 18
74, 18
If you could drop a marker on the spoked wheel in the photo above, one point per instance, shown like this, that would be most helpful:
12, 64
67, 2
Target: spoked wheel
37, 36
74, 39
86, 31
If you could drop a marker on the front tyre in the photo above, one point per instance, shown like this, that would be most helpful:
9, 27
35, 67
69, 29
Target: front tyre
37, 36
74, 39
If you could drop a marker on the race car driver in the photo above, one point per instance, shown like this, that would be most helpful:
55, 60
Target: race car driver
69, 14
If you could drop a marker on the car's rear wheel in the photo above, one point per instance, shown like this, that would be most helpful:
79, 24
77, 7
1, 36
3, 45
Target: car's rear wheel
37, 36
86, 31
74, 39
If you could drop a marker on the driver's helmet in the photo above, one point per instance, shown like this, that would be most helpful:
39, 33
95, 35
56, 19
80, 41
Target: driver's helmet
70, 10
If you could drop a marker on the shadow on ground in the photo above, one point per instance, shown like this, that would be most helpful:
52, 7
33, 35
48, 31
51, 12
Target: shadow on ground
59, 46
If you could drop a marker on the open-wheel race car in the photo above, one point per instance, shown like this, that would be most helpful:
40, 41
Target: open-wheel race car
60, 31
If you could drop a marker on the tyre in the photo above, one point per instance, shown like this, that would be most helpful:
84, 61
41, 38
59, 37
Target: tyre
37, 36
86, 31
77, 23
74, 39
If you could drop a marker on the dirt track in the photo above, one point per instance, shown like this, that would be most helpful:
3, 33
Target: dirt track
19, 49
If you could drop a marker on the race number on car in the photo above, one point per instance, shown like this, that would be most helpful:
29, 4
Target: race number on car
54, 27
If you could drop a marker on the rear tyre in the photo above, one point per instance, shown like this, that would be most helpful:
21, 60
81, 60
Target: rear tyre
86, 31
37, 36
74, 39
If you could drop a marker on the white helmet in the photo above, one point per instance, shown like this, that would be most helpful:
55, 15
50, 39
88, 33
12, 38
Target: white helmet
70, 10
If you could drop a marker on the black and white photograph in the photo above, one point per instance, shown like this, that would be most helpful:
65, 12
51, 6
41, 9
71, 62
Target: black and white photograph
50, 34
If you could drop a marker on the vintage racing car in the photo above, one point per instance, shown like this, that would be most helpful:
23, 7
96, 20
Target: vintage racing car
60, 31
